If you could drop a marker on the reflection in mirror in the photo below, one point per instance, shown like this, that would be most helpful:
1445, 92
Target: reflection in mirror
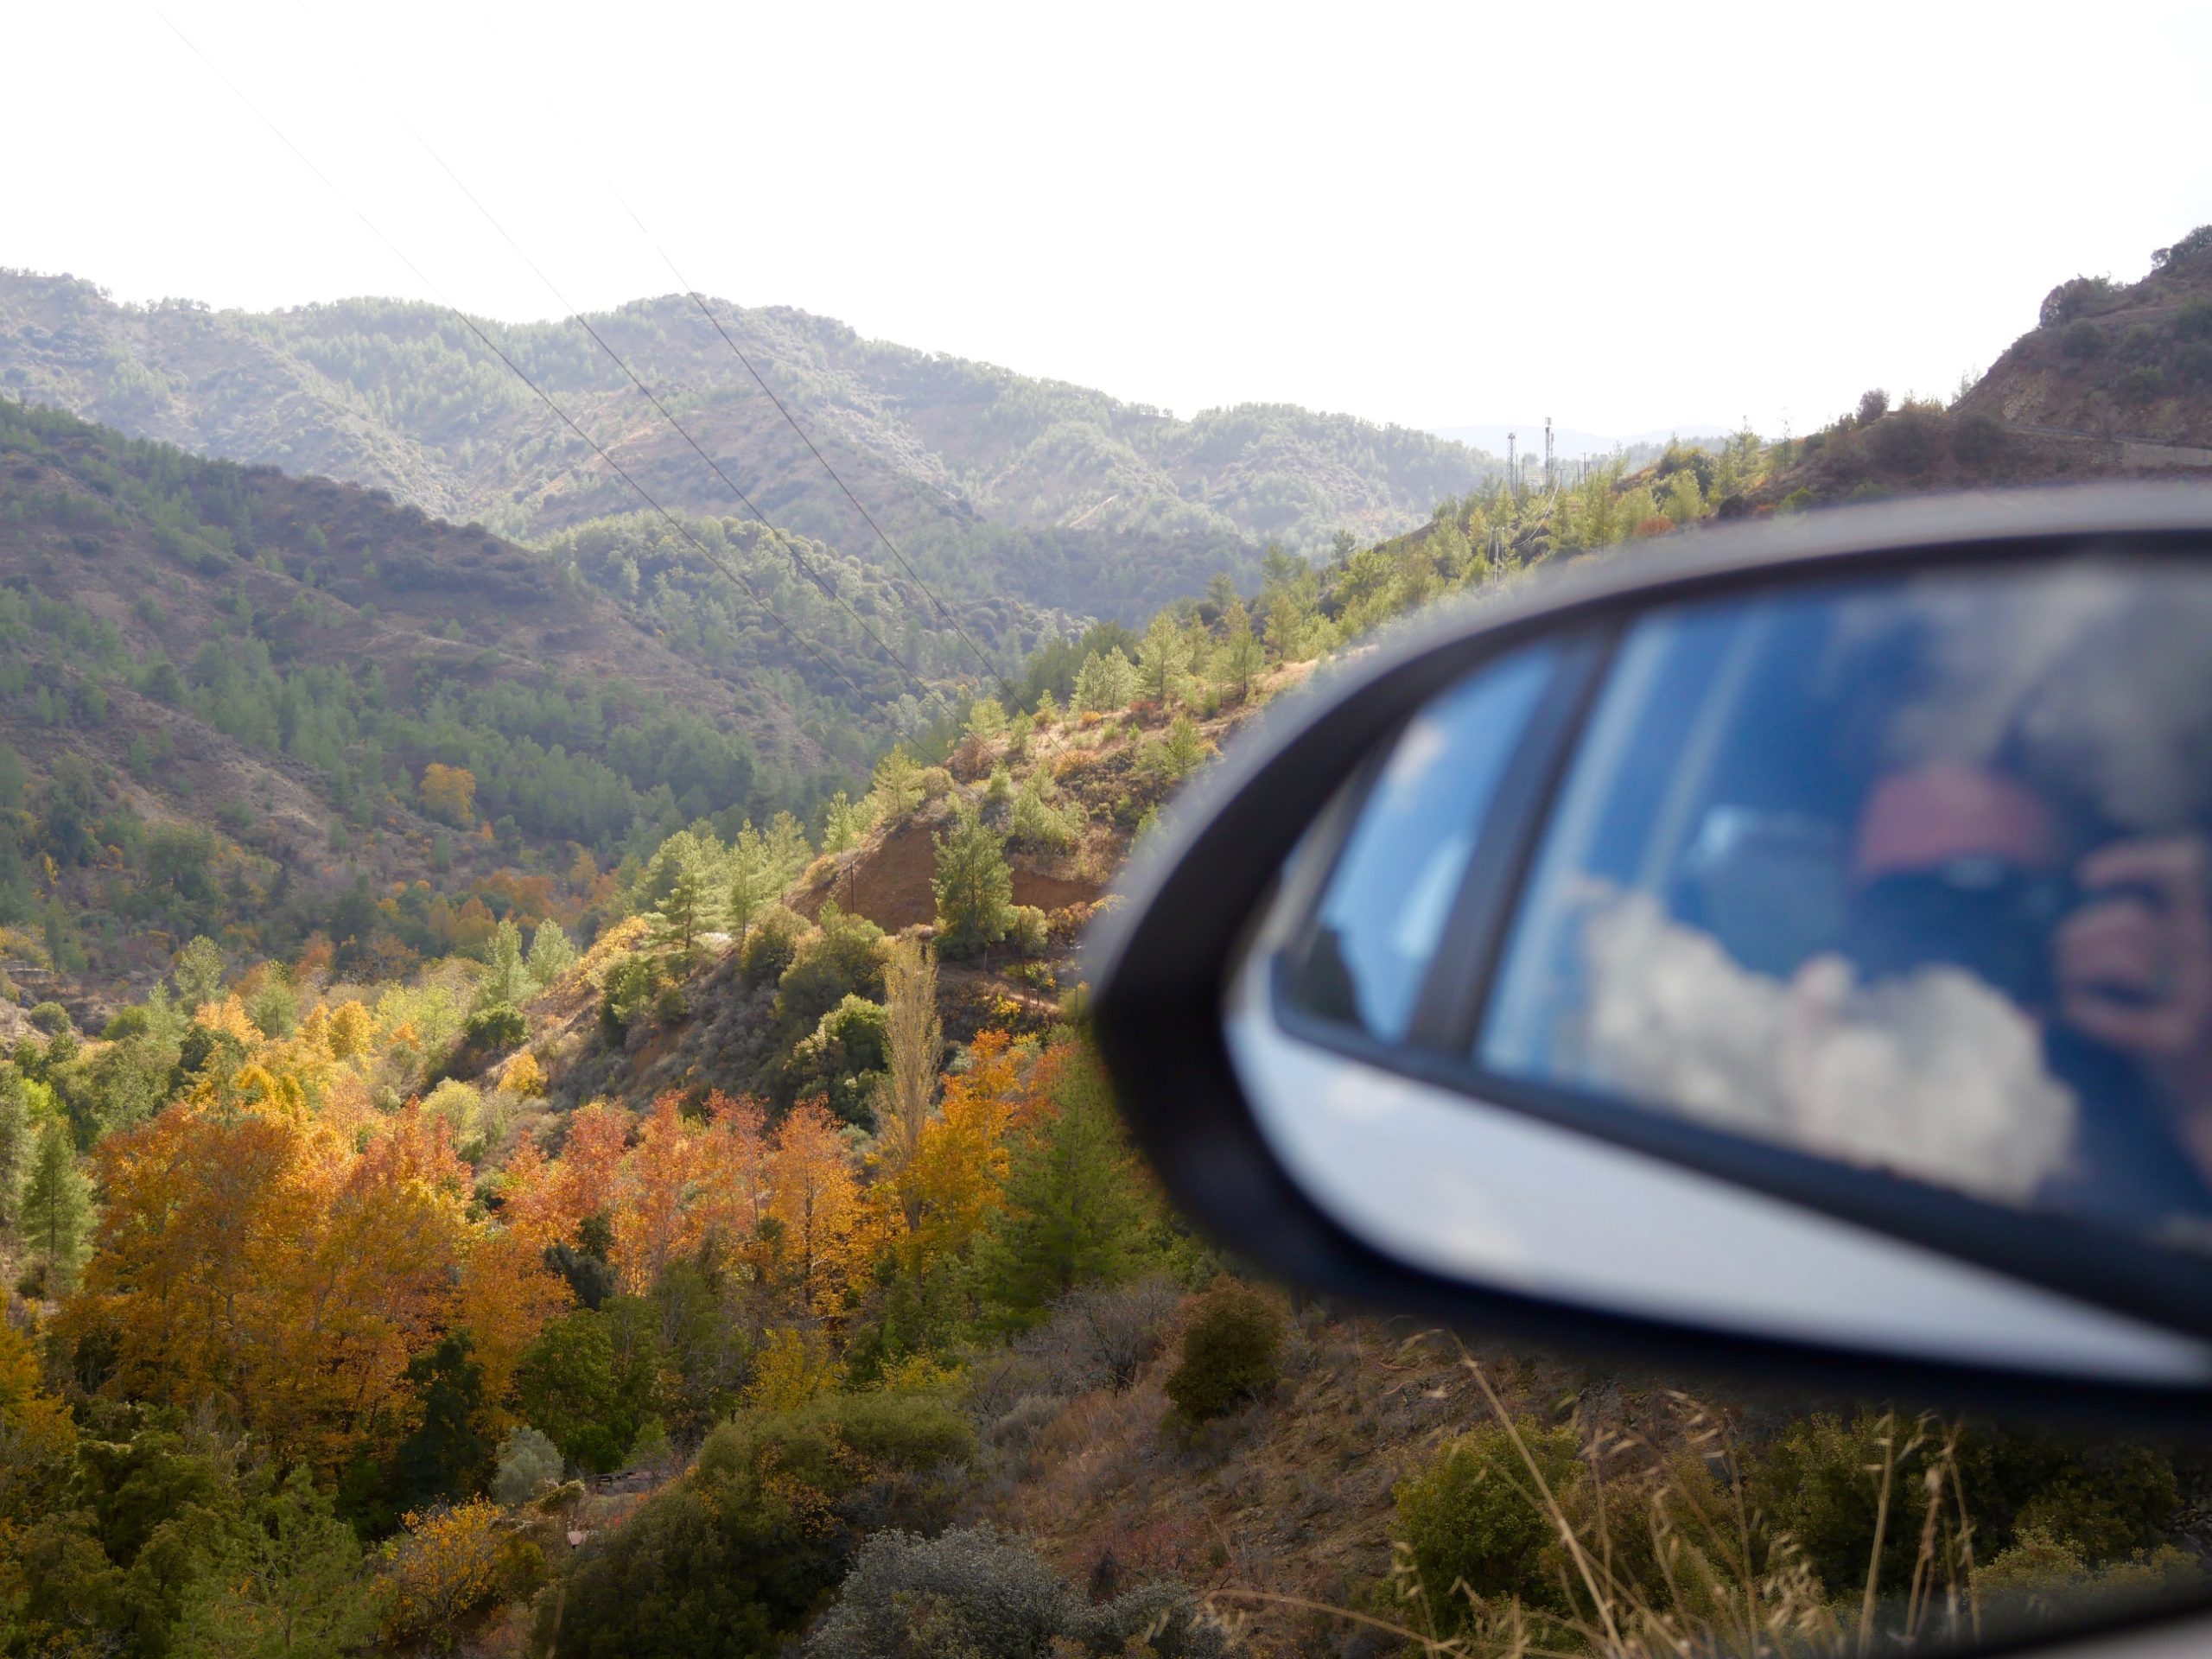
1382, 913
1910, 874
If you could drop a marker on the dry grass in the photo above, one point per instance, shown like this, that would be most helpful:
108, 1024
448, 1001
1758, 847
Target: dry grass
1665, 1554
1292, 1496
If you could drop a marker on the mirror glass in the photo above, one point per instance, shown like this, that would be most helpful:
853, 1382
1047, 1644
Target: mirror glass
1896, 886
1382, 915
1911, 875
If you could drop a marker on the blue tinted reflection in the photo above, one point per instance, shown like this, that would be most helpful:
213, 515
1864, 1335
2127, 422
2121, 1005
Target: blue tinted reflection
1382, 917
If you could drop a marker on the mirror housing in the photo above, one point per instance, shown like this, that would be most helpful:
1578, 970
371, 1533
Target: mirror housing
1169, 990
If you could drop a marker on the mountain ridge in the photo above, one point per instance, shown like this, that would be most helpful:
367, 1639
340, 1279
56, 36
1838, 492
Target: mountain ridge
990, 481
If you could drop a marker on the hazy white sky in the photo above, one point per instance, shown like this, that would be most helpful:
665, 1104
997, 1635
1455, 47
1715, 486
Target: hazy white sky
1625, 217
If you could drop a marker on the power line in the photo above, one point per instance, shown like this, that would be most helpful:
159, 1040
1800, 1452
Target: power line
489, 345
797, 558
889, 546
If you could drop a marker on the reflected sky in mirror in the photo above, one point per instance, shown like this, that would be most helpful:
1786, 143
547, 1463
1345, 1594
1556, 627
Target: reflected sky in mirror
1910, 875
1382, 917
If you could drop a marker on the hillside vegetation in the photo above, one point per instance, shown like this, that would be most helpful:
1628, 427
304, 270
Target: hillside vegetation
2116, 359
992, 482
234, 700
751, 1277
554, 1134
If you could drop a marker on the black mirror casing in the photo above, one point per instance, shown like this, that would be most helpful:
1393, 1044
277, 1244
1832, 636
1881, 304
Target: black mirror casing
1160, 960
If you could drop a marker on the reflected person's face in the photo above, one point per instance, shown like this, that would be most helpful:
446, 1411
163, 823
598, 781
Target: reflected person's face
1958, 865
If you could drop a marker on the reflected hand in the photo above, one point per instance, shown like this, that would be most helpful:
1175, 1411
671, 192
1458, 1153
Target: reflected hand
2134, 963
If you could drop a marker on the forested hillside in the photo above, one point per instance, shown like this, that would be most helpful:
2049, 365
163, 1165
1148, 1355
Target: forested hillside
992, 482
772, 1271
538, 1121
234, 700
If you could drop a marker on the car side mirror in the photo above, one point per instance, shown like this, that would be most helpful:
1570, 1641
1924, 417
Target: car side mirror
1797, 957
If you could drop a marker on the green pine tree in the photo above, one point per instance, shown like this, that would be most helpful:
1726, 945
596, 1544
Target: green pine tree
897, 786
1164, 659
1105, 683
687, 904
1182, 748
506, 981
975, 889
843, 824
1078, 1209
17, 1144
56, 1203
446, 1456
197, 973
288, 1581
1241, 654
987, 719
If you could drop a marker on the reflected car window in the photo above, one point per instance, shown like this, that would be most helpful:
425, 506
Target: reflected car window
1384, 912
1910, 874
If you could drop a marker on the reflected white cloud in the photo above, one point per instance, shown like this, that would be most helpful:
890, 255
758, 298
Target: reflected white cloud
1933, 1075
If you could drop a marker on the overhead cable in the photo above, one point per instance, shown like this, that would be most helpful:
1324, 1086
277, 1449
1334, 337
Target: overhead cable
890, 547
492, 346
805, 565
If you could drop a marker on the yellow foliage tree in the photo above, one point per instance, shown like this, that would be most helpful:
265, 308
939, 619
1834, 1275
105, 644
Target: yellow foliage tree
444, 1568
459, 1105
523, 1075
450, 792
39, 1423
313, 1037
814, 1194
352, 1028
507, 1297
253, 1258
230, 1018
790, 1368
955, 1181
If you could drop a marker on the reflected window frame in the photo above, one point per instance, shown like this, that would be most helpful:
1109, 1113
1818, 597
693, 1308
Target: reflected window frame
1569, 671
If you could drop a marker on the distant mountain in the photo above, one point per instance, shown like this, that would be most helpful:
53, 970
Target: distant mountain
1570, 443
993, 482
223, 692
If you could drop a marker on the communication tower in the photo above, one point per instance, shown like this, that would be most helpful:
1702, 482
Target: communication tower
1550, 477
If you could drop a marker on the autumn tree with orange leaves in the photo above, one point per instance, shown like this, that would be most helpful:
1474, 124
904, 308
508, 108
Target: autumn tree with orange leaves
944, 1193
815, 1198
654, 1222
255, 1259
